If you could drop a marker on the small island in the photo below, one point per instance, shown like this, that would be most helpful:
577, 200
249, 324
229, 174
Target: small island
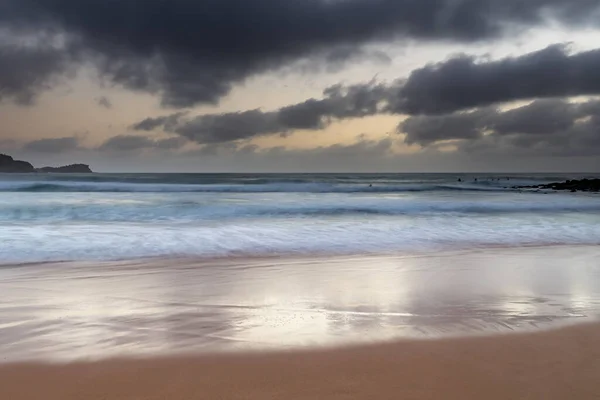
10, 165
72, 168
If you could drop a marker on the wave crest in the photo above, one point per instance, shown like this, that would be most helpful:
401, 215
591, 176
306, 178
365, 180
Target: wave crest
121, 187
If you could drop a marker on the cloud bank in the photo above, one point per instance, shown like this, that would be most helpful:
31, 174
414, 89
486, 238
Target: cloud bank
192, 52
434, 95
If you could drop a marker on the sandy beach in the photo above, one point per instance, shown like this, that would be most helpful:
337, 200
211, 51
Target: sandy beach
499, 323
559, 364
76, 311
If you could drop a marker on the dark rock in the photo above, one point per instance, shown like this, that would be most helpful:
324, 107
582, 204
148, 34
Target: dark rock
72, 169
8, 164
584, 185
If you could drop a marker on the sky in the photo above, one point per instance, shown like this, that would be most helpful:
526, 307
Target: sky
302, 85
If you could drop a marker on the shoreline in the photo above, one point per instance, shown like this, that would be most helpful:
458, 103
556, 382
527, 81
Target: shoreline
304, 257
555, 364
96, 310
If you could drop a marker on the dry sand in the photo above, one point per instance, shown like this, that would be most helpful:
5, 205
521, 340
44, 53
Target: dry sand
561, 364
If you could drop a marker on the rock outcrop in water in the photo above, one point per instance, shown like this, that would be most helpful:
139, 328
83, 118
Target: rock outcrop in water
73, 169
9, 164
575, 185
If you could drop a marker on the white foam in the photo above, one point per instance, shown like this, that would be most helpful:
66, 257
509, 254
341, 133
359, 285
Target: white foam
21, 243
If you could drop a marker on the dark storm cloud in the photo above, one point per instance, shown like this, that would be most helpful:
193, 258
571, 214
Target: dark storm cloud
462, 82
27, 70
103, 101
192, 52
548, 127
56, 145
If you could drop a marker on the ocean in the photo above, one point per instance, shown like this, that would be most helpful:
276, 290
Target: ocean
48, 217
103, 265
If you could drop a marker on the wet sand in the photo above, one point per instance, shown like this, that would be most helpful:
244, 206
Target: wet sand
561, 364
87, 311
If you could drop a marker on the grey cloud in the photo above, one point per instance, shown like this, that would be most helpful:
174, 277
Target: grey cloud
103, 101
127, 143
334, 60
248, 149
339, 102
457, 84
544, 127
310, 114
462, 82
543, 117
373, 155
170, 143
341, 55
218, 149
580, 141
167, 122
229, 127
192, 52
132, 143
425, 130
363, 148
330, 157
55, 145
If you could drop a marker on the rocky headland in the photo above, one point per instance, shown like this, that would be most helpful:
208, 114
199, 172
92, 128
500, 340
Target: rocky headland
574, 185
10, 165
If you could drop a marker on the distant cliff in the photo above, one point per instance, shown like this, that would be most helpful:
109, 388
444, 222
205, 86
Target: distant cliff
73, 168
9, 164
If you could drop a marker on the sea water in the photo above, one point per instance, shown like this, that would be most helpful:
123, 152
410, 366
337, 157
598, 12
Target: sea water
52, 217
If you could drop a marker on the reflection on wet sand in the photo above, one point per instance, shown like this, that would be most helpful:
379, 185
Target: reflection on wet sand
75, 310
